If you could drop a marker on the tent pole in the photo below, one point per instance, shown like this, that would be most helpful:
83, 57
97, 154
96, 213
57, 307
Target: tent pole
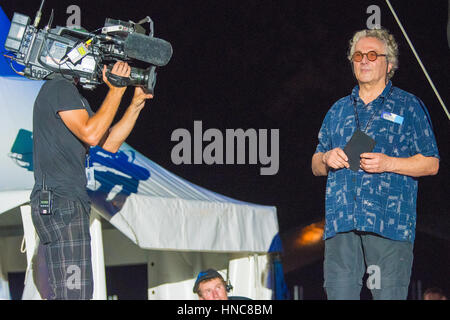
4, 285
30, 291
98, 260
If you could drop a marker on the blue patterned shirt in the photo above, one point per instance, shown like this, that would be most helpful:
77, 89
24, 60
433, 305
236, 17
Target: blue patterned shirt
383, 203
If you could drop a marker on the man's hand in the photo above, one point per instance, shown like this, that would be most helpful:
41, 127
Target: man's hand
121, 130
121, 69
336, 159
139, 98
375, 162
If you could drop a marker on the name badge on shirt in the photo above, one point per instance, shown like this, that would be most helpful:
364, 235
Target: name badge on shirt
392, 117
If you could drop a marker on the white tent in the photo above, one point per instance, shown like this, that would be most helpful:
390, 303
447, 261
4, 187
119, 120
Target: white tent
174, 226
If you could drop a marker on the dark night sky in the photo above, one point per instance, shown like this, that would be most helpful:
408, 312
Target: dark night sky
271, 65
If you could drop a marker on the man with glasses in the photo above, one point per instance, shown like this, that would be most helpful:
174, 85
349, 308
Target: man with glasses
373, 145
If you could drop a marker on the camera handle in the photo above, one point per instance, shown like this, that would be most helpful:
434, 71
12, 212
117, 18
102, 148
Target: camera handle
117, 81
145, 78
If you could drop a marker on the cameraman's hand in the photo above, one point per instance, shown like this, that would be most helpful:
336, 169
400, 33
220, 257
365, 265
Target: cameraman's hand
121, 69
139, 98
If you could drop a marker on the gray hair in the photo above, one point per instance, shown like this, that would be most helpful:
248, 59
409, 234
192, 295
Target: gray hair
384, 36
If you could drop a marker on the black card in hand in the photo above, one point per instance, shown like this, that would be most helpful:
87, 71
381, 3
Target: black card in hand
358, 144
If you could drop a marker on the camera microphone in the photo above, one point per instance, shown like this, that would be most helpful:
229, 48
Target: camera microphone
148, 49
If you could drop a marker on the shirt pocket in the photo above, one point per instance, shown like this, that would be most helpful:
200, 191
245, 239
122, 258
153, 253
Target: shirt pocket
390, 139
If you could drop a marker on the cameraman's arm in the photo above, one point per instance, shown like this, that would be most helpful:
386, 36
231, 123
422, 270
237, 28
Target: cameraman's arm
91, 130
121, 130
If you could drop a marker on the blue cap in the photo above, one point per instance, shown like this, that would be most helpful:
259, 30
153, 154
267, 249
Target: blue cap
205, 275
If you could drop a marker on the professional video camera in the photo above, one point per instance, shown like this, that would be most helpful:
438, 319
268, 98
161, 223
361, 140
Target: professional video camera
80, 54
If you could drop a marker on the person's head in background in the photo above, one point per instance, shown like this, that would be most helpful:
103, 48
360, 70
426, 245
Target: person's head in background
210, 285
434, 294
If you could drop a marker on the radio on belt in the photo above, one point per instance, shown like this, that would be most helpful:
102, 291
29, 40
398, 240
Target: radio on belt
45, 199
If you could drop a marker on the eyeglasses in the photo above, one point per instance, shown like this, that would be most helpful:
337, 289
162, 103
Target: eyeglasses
371, 56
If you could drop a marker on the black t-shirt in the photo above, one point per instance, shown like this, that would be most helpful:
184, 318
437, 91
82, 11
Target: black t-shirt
57, 152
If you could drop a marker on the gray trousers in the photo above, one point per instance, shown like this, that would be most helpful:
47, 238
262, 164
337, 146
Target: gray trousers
66, 243
349, 255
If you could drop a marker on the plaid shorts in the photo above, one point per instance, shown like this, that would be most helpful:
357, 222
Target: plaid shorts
67, 244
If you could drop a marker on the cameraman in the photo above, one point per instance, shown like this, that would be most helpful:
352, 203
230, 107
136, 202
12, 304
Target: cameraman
64, 127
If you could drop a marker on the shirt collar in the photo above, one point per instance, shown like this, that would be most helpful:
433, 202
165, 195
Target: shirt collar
355, 92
